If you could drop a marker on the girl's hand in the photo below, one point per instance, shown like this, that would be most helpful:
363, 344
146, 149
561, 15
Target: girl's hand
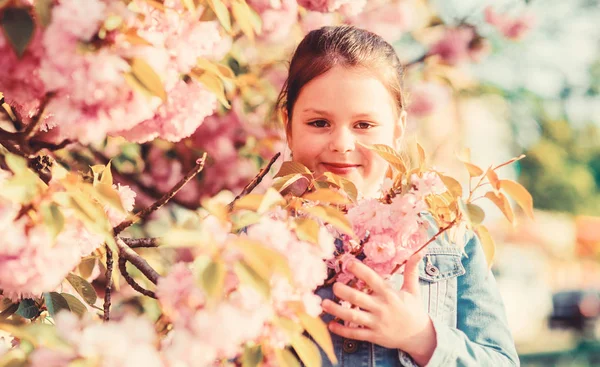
390, 318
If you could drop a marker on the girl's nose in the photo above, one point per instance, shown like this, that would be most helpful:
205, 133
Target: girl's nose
342, 140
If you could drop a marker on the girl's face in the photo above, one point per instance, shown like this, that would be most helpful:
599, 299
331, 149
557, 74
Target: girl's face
336, 111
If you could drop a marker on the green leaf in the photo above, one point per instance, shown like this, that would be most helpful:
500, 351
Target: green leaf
252, 356
55, 303
318, 330
86, 266
247, 275
262, 259
333, 217
18, 27
53, 218
213, 278
75, 305
84, 288
43, 10
143, 74
28, 309
16, 163
244, 18
476, 214
307, 351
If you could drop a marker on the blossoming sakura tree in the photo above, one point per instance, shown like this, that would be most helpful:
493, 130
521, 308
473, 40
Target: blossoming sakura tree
111, 109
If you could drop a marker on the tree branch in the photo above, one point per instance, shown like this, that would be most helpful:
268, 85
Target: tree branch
141, 242
108, 289
165, 198
131, 281
255, 182
31, 128
136, 260
132, 180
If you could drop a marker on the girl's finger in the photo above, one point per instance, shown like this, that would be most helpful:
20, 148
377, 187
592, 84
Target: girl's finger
351, 332
355, 297
369, 276
411, 273
352, 315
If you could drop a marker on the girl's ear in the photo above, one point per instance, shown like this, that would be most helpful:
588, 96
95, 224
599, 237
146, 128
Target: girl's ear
288, 129
400, 128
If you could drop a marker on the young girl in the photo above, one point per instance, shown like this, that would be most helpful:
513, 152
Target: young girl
344, 87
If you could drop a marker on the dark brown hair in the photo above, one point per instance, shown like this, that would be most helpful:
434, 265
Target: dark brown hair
345, 45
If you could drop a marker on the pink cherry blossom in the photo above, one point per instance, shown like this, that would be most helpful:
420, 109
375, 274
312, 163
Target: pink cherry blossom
277, 17
453, 47
429, 183
389, 20
514, 28
380, 249
427, 98
127, 196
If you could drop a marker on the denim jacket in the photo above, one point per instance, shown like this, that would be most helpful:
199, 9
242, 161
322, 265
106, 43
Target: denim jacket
461, 297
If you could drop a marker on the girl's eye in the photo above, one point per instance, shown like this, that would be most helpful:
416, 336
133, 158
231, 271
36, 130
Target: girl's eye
319, 123
364, 125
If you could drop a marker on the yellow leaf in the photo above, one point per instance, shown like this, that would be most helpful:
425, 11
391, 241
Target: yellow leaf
107, 194
247, 275
86, 266
264, 260
307, 351
318, 331
156, 4
189, 4
474, 170
502, 203
333, 217
74, 304
252, 356
135, 39
147, 78
282, 183
260, 202
290, 167
476, 214
520, 194
222, 13
326, 196
422, 158
213, 84
53, 218
389, 154
244, 18
213, 278
464, 155
487, 243
43, 9
220, 70
83, 287
112, 22
307, 230
107, 177
285, 358
453, 186
350, 189
493, 178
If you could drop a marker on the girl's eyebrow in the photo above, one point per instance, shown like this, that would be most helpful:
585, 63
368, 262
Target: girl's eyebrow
325, 113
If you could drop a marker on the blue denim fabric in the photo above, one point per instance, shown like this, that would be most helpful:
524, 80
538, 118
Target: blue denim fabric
466, 308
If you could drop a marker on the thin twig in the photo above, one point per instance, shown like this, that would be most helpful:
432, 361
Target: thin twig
130, 180
165, 198
108, 289
31, 128
38, 145
131, 281
137, 261
141, 242
255, 182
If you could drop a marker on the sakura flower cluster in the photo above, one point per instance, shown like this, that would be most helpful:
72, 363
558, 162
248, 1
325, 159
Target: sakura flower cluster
390, 231
243, 314
86, 69
32, 259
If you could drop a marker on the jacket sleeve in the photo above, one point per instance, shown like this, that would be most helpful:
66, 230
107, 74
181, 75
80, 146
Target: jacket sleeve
482, 337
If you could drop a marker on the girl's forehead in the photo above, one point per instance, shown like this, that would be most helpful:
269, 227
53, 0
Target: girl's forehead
354, 91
